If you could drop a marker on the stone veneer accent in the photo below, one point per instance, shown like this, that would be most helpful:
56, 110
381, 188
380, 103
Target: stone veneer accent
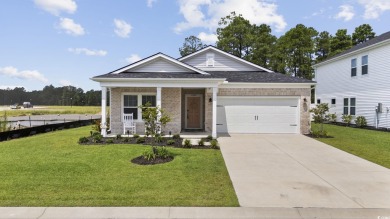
302, 92
170, 101
171, 104
116, 124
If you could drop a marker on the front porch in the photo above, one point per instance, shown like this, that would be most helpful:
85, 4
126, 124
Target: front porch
192, 108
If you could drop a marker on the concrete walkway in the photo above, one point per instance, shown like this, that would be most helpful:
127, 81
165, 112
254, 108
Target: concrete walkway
297, 171
184, 212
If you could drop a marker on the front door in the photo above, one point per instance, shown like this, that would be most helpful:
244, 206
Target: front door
193, 111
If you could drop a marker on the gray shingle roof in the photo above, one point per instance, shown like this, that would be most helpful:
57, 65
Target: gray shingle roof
231, 76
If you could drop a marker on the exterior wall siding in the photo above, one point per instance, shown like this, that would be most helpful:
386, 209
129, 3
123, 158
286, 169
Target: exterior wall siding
334, 81
299, 92
221, 63
160, 66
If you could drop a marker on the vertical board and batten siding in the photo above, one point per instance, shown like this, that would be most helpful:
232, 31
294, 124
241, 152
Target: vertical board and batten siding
334, 81
160, 65
221, 63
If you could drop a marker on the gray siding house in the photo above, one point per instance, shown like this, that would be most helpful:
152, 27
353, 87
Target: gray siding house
207, 91
357, 81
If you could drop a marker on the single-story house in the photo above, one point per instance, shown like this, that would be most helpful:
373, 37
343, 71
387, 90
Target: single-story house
356, 82
208, 91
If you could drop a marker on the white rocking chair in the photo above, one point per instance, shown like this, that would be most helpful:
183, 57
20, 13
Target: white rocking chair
128, 123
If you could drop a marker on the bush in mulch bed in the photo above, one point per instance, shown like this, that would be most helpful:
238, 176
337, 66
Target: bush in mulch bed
175, 141
154, 156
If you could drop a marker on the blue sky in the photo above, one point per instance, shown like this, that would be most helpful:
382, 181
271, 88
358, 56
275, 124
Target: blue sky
66, 42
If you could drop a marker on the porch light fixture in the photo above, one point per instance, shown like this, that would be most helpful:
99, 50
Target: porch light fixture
210, 100
304, 100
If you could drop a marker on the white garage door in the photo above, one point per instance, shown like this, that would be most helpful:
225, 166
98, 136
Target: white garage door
257, 115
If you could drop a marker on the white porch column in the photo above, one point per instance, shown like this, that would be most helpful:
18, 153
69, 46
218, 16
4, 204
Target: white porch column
104, 104
158, 104
214, 124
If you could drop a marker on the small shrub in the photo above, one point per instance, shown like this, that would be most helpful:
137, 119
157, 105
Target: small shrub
118, 136
140, 140
332, 117
163, 153
201, 142
97, 138
209, 138
319, 133
176, 136
95, 133
214, 144
149, 155
125, 140
135, 136
347, 119
83, 140
187, 143
171, 142
361, 121
158, 139
109, 141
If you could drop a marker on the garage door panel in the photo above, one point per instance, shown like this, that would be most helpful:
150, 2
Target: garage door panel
257, 115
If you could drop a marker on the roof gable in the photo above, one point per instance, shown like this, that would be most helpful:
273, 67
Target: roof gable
223, 61
158, 63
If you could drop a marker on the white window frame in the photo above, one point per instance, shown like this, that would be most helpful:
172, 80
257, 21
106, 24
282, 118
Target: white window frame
210, 59
349, 106
362, 65
335, 102
139, 101
356, 69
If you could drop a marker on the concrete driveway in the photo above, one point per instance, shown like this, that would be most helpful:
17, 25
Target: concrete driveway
274, 170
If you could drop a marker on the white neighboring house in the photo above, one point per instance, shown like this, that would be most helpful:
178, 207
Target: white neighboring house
357, 82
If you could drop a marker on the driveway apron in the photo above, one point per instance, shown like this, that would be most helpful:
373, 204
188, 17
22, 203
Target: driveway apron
289, 170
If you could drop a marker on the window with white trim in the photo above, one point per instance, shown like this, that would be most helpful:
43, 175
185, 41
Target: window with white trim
365, 65
353, 67
210, 59
130, 105
349, 106
318, 101
333, 102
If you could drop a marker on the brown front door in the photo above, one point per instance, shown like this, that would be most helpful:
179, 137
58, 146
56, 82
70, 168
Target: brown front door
193, 112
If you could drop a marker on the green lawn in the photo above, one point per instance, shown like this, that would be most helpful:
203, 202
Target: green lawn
368, 144
53, 170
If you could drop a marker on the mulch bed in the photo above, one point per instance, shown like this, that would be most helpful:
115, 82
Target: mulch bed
141, 161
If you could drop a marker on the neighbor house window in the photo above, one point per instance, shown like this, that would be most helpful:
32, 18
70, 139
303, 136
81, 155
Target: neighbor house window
318, 101
333, 102
346, 105
349, 106
365, 65
353, 67
130, 105
352, 107
210, 59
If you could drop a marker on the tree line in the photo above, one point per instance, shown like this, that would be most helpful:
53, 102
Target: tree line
50, 95
292, 53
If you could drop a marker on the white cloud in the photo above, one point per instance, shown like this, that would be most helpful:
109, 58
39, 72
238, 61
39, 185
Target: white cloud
13, 72
207, 13
65, 83
122, 29
70, 27
133, 58
87, 52
208, 38
150, 3
55, 7
346, 13
374, 8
